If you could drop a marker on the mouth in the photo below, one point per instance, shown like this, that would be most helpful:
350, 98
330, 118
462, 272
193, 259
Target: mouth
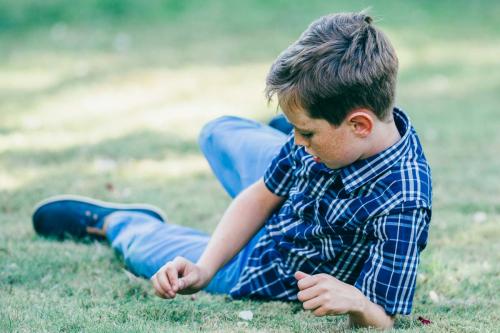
315, 158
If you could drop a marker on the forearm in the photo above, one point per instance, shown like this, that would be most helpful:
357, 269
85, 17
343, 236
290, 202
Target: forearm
369, 314
243, 218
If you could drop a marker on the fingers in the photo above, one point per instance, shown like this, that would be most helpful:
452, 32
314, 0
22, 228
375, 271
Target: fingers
313, 303
158, 289
171, 273
309, 293
321, 311
166, 281
161, 285
182, 268
300, 275
307, 282
187, 281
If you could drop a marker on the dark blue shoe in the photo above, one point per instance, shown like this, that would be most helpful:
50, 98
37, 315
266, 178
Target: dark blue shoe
71, 215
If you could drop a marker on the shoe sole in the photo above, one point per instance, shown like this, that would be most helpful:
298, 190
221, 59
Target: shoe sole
105, 204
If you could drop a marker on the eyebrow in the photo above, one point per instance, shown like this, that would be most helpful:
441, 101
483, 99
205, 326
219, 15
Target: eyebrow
301, 129
296, 127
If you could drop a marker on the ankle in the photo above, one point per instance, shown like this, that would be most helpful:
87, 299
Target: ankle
99, 231
95, 231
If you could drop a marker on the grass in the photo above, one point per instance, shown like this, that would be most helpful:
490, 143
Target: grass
108, 103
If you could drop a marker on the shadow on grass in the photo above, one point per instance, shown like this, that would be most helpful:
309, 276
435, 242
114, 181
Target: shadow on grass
144, 144
96, 170
18, 98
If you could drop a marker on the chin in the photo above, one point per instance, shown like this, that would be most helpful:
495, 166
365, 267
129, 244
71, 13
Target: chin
333, 165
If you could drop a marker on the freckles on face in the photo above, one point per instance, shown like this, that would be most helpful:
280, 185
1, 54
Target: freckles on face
331, 145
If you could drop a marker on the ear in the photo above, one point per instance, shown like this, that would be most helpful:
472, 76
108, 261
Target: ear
361, 122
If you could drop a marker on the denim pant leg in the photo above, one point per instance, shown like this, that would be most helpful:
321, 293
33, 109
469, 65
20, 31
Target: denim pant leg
239, 151
146, 243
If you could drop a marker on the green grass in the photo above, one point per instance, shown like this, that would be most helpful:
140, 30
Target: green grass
101, 95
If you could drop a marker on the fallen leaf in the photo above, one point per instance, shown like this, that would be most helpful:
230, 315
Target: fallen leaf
110, 187
424, 321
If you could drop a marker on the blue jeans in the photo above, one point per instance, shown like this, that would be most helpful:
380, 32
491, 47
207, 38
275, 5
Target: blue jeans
239, 151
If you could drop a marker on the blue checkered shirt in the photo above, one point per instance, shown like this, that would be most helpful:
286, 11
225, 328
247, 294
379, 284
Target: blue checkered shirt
364, 224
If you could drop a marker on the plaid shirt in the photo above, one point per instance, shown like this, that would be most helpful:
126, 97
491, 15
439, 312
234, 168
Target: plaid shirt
364, 224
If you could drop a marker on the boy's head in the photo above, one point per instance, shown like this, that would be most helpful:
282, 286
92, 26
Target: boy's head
340, 63
336, 85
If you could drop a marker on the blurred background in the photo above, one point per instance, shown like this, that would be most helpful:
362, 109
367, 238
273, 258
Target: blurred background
106, 98
87, 86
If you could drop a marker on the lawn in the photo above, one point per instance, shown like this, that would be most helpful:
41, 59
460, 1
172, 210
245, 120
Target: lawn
106, 98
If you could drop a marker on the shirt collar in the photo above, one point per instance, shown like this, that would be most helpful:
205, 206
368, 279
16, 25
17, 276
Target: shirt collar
361, 172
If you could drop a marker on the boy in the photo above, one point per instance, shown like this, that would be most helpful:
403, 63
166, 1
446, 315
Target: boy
333, 215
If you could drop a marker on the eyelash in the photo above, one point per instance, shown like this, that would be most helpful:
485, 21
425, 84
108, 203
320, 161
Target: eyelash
307, 135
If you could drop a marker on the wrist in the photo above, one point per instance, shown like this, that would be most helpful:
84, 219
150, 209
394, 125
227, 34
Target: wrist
359, 303
364, 313
206, 273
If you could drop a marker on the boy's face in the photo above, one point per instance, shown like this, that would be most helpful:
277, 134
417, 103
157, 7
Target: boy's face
335, 146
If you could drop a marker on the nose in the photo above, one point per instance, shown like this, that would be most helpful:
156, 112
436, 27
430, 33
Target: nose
299, 140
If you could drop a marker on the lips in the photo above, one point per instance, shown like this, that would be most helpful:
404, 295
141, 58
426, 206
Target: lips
315, 158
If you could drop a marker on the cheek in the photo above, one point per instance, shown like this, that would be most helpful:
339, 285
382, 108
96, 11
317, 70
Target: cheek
323, 149
316, 147
337, 150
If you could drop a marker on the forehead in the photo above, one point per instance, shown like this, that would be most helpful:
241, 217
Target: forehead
294, 111
299, 118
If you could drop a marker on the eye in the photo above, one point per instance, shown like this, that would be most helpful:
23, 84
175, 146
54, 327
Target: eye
306, 135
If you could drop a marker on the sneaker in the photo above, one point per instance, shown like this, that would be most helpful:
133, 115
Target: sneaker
71, 215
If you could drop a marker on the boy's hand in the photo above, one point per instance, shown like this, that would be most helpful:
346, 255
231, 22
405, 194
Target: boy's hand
325, 295
179, 276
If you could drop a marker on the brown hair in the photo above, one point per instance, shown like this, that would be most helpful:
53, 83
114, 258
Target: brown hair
341, 62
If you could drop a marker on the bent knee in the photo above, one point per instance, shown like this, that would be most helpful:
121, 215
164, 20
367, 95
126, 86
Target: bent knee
219, 128
213, 126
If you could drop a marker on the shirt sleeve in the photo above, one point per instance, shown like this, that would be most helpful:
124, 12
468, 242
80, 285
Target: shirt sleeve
279, 175
388, 277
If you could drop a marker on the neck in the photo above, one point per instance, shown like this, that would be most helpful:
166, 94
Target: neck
383, 136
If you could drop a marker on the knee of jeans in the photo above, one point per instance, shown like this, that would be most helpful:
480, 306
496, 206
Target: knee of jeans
209, 131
